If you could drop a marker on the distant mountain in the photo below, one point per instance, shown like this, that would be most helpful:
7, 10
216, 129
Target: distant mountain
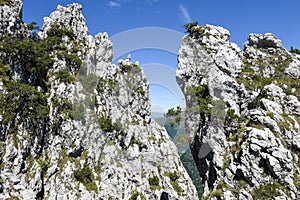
157, 115
177, 133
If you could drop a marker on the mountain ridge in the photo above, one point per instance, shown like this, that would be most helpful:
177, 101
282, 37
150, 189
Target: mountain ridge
82, 129
244, 106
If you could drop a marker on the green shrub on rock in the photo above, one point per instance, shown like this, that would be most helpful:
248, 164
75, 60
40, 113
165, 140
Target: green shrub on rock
296, 51
65, 76
86, 177
188, 27
174, 112
106, 124
153, 180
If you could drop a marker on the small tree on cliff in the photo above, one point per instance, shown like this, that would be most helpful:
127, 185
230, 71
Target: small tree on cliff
188, 27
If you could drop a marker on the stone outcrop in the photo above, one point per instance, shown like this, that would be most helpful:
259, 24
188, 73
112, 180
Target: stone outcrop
242, 114
98, 140
11, 18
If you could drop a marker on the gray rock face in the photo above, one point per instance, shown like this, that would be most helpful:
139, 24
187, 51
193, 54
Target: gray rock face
243, 107
98, 141
293, 69
11, 18
72, 18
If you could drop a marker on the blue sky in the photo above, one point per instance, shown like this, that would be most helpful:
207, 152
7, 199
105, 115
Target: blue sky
240, 17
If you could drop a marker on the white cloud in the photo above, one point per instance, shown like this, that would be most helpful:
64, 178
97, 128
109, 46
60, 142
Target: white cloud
113, 4
185, 13
152, 1
118, 3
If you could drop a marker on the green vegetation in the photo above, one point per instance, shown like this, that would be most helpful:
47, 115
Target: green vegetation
231, 114
44, 166
36, 55
195, 30
173, 112
222, 185
57, 31
106, 124
237, 135
177, 119
63, 109
171, 127
188, 27
296, 180
33, 56
141, 91
30, 162
86, 177
2, 154
256, 102
218, 109
297, 118
199, 31
6, 2
174, 176
135, 196
64, 75
270, 114
130, 68
201, 94
55, 40
153, 180
255, 80
24, 101
154, 183
226, 164
217, 193
4, 72
253, 70
103, 84
190, 166
296, 51
284, 126
135, 141
64, 158
33, 26
172, 124
26, 97
257, 125
291, 84
269, 191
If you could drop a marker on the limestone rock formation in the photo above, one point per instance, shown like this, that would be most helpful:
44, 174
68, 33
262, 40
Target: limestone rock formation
242, 114
82, 130
11, 17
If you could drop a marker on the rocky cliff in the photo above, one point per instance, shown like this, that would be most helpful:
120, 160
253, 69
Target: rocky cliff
243, 113
11, 17
75, 126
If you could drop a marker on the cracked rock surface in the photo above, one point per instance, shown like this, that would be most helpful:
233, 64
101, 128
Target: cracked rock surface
244, 107
98, 140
